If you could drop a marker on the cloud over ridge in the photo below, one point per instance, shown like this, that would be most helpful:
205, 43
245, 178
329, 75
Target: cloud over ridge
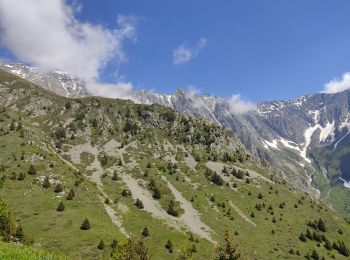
239, 105
47, 35
338, 85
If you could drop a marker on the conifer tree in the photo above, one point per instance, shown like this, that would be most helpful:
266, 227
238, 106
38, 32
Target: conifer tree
169, 246
228, 250
156, 193
31, 170
85, 225
101, 245
58, 188
171, 209
71, 194
60, 206
145, 232
46, 183
321, 226
115, 176
302, 237
139, 204
20, 176
114, 244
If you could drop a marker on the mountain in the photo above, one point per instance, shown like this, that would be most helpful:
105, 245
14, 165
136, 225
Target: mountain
87, 177
56, 81
305, 138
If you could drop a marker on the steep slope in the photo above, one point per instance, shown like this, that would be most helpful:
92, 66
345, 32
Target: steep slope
300, 137
126, 167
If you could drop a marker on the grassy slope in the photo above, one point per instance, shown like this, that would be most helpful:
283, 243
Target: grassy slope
11, 251
36, 206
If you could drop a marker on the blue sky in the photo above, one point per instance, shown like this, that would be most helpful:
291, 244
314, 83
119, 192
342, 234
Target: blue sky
264, 50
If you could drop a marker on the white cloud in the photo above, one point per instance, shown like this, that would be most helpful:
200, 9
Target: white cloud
338, 85
120, 90
239, 105
184, 53
46, 35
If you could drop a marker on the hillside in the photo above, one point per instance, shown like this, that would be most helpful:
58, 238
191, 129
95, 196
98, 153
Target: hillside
145, 170
305, 138
9, 252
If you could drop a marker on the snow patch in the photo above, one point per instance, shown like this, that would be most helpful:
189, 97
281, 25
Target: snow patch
307, 135
326, 131
272, 144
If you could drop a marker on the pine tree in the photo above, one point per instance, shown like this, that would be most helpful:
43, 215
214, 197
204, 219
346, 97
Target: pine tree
156, 193
169, 246
46, 183
114, 244
139, 204
58, 188
321, 226
302, 237
85, 225
115, 176
19, 233
145, 232
13, 125
308, 234
101, 245
342, 249
314, 255
21, 176
71, 194
60, 206
227, 250
171, 209
31, 170
328, 245
194, 249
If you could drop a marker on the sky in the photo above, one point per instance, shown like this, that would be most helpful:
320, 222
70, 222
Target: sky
238, 49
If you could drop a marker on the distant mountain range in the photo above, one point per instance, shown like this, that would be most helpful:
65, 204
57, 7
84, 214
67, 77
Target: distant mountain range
306, 138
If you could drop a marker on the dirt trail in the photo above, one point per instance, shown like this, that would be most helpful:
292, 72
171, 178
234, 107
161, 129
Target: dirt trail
191, 217
241, 214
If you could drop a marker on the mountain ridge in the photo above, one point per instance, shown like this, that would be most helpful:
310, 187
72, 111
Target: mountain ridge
285, 134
